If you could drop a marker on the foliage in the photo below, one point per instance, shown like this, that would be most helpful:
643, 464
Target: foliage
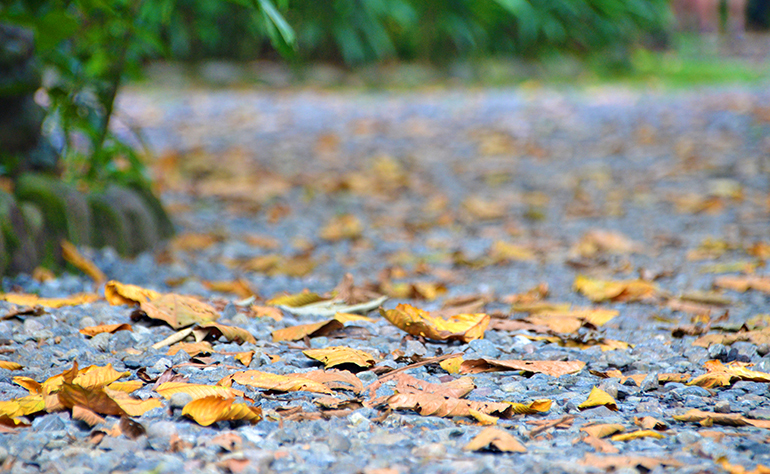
88, 47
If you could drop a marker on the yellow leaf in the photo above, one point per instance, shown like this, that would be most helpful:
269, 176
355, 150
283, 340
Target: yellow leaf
208, 410
127, 387
720, 375
71, 254
349, 317
117, 293
196, 391
132, 406
452, 365
483, 418
334, 356
599, 397
86, 415
603, 241
464, 327
192, 348
22, 406
603, 430
102, 328
95, 399
30, 384
496, 438
548, 367
179, 311
267, 312
8, 365
296, 300
536, 406
239, 287
34, 300
299, 332
637, 434
346, 226
244, 357
604, 290
744, 283
279, 383
95, 376
502, 252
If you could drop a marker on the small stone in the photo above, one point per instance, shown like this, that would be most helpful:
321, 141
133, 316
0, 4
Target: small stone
763, 365
760, 414
319, 342
3, 454
415, 348
618, 359
650, 382
763, 349
722, 406
87, 321
339, 443
432, 451
367, 376
32, 326
515, 386
484, 348
359, 421
161, 429
100, 342
179, 400
687, 437
717, 351
610, 386
49, 422
162, 364
180, 358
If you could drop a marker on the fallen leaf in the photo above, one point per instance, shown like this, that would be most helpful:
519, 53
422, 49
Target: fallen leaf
179, 311
211, 409
117, 293
346, 226
618, 291
495, 438
231, 333
349, 318
102, 328
96, 376
299, 332
94, 399
245, 357
351, 294
34, 300
31, 385
331, 307
738, 469
192, 348
598, 241
239, 287
742, 284
267, 312
463, 327
552, 368
228, 441
86, 415
295, 300
452, 365
600, 445
608, 463
130, 405
483, 418
599, 397
603, 430
428, 404
483, 209
196, 391
636, 435
504, 252
650, 423
720, 375
339, 355
8, 365
189, 241
706, 418
127, 386
276, 382
71, 255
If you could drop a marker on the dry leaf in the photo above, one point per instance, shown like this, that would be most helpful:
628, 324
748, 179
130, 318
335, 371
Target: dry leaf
600, 445
618, 291
8, 365
196, 391
637, 434
349, 318
295, 300
71, 255
463, 327
428, 404
495, 438
603, 241
457, 388
276, 382
609, 463
503, 252
738, 469
650, 423
267, 312
239, 287
483, 418
720, 375
244, 358
132, 406
552, 368
31, 385
34, 300
346, 226
208, 410
95, 399
179, 311
127, 386
191, 241
192, 348
599, 397
603, 430
109, 328
452, 365
86, 415
130, 428
742, 284
706, 418
350, 294
117, 293
95, 376
231, 333
339, 355
297, 333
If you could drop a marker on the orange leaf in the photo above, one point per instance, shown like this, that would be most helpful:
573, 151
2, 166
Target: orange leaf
604, 290
334, 356
296, 333
167, 389
95, 376
603, 430
132, 406
34, 300
346, 226
239, 287
208, 410
552, 368
637, 434
192, 348
231, 333
244, 357
95, 399
84, 414
127, 387
496, 438
8, 365
117, 293
71, 255
599, 397
279, 383
744, 283
179, 311
464, 327
267, 312
110, 328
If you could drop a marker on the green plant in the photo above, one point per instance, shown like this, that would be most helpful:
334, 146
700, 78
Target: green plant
88, 48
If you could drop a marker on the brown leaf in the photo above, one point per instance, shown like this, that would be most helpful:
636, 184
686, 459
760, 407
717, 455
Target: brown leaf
706, 418
603, 430
229, 441
608, 463
552, 368
208, 410
463, 327
179, 311
95, 399
192, 348
457, 388
267, 312
190, 241
86, 415
720, 375
117, 293
601, 445
742, 284
599, 397
351, 294
504, 252
127, 386
339, 355
92, 331
295, 300
8, 365
244, 358
71, 255
346, 226
650, 423
428, 404
495, 438
231, 333
637, 434
276, 382
299, 332
239, 287
130, 405
130, 428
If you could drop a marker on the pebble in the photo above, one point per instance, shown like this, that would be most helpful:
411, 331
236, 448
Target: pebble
180, 399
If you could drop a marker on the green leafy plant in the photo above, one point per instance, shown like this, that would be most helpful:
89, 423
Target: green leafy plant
88, 47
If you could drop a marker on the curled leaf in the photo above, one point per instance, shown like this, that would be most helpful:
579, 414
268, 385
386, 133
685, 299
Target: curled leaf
179, 311
117, 293
208, 410
599, 397
34, 300
231, 333
548, 367
279, 383
497, 439
299, 332
339, 355
609, 290
8, 365
603, 430
108, 328
463, 327
71, 255
637, 434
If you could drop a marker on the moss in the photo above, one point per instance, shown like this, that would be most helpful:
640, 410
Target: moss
18, 242
142, 228
109, 226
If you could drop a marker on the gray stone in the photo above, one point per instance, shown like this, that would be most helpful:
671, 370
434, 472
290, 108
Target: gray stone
484, 348
162, 364
338, 442
415, 348
722, 406
100, 342
180, 358
431, 451
618, 359
760, 413
32, 325
610, 386
717, 351
687, 437
161, 429
650, 382
179, 400
50, 422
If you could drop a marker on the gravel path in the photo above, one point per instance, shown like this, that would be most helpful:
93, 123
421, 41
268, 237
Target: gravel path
292, 190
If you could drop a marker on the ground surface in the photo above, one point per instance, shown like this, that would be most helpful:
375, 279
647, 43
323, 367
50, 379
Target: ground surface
292, 190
